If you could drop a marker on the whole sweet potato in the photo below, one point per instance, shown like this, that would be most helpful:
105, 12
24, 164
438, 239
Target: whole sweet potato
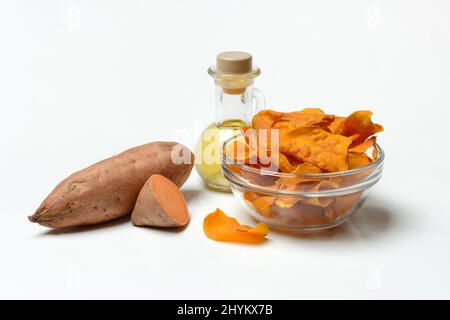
108, 189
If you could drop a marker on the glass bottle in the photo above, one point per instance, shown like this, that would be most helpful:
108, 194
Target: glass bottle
236, 101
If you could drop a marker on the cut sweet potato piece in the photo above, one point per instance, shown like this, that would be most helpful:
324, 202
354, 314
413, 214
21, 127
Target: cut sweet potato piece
160, 204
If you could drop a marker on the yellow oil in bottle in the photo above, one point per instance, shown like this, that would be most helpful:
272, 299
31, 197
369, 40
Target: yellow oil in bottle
208, 152
236, 101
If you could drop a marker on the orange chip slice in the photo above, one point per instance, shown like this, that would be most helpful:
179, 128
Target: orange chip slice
318, 147
286, 201
321, 201
283, 163
263, 141
359, 122
363, 146
283, 126
357, 160
307, 117
306, 168
304, 117
220, 227
298, 183
239, 151
337, 125
251, 196
374, 153
263, 205
344, 204
264, 119
301, 213
289, 201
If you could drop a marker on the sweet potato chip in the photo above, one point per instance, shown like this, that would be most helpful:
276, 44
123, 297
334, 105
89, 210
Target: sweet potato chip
259, 179
286, 201
313, 117
249, 134
306, 168
263, 205
359, 122
289, 201
330, 215
264, 119
357, 160
283, 126
264, 142
363, 146
337, 125
220, 227
283, 163
374, 153
250, 196
318, 147
235, 169
240, 151
304, 117
301, 213
292, 183
320, 201
345, 203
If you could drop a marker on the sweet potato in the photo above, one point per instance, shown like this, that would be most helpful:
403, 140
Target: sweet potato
160, 204
108, 189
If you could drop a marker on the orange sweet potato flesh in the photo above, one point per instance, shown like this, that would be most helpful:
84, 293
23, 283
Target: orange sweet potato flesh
160, 204
220, 227
108, 189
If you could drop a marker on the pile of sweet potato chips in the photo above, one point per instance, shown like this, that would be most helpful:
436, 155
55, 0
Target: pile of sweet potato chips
301, 143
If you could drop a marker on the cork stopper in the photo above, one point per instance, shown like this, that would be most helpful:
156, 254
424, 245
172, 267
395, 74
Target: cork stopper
234, 71
234, 62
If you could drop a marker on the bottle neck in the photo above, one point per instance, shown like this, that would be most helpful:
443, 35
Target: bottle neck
234, 105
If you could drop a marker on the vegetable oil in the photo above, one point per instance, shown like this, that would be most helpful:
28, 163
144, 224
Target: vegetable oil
236, 101
209, 151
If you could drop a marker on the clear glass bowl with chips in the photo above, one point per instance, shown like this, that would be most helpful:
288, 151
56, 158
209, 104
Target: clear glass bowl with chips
301, 202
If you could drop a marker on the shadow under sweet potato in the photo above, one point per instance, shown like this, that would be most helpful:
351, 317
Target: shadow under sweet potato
81, 229
105, 225
189, 195
162, 229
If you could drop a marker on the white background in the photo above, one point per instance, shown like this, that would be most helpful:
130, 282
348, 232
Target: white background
83, 80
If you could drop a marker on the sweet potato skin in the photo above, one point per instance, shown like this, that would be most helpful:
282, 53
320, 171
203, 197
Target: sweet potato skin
108, 189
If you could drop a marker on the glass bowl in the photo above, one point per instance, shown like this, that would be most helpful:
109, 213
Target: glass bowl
301, 202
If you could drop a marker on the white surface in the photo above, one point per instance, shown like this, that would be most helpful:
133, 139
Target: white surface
82, 80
